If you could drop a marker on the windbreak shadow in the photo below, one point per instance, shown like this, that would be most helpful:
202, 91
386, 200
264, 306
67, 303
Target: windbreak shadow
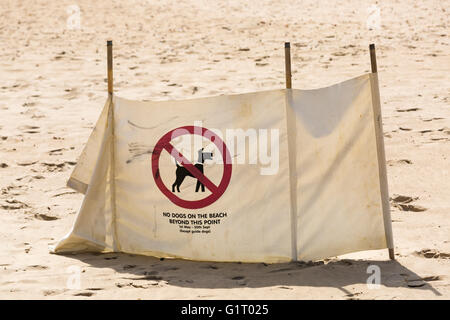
226, 275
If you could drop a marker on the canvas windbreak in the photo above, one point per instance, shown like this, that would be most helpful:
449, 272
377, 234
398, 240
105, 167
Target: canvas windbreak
271, 176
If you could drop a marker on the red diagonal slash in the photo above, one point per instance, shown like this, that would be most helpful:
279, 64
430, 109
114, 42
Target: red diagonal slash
190, 167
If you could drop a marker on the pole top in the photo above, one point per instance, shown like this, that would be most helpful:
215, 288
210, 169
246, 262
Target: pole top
287, 44
109, 42
373, 58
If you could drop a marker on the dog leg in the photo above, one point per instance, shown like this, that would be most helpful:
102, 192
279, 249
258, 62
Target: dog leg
197, 186
179, 182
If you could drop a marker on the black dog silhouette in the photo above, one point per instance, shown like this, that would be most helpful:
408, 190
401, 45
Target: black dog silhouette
182, 172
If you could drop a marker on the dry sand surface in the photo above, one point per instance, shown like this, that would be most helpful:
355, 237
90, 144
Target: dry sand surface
53, 86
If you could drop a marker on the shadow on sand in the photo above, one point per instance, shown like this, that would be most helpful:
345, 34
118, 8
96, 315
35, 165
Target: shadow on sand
214, 275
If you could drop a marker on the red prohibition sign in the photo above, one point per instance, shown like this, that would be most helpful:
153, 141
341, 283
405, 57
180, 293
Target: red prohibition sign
216, 191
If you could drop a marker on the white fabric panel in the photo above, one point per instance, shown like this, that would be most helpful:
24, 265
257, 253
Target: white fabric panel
338, 190
320, 198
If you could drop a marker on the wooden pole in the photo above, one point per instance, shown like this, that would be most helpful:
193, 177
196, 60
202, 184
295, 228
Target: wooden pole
292, 146
287, 60
373, 58
381, 157
110, 67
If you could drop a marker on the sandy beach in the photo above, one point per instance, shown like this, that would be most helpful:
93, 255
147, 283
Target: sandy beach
53, 87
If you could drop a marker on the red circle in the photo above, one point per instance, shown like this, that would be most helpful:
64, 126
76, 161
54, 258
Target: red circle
226, 176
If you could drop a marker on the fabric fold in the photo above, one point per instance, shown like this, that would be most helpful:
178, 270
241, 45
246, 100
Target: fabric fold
92, 230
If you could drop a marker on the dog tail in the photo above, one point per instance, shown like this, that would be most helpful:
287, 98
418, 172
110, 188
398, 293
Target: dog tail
176, 162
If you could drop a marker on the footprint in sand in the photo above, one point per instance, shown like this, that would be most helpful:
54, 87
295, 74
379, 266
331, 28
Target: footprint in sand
135, 285
45, 217
353, 296
71, 94
339, 54
400, 161
408, 110
129, 266
52, 167
29, 129
433, 254
36, 267
307, 264
404, 203
167, 268
151, 277
27, 163
52, 292
110, 258
13, 190
84, 294
281, 270
415, 282
432, 119
59, 56
56, 152
28, 104
433, 278
261, 59
13, 204
210, 267
64, 193
445, 130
